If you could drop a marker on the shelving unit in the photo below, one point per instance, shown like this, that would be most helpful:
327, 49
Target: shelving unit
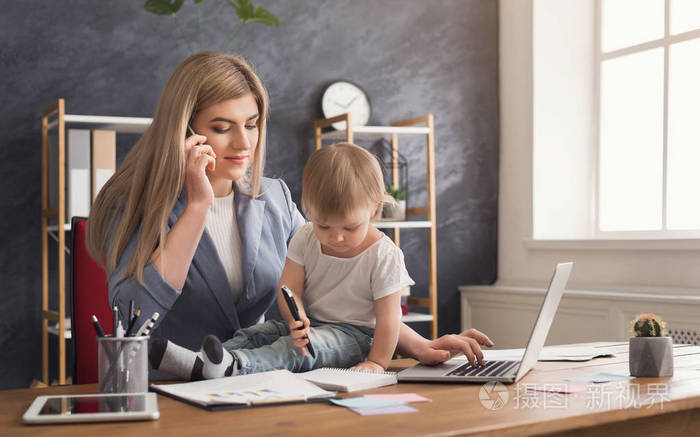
54, 117
423, 125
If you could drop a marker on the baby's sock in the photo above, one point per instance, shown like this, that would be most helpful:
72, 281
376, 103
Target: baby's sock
218, 362
176, 360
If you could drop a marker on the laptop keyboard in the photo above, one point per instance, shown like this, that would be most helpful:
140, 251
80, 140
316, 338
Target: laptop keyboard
490, 368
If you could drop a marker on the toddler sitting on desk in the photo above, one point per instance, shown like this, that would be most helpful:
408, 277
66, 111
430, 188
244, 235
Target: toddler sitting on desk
347, 273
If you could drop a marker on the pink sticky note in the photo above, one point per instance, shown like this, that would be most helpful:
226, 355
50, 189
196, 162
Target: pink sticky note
400, 409
400, 397
559, 387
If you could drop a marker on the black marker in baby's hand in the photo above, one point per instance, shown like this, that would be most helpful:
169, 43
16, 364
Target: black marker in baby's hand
292, 305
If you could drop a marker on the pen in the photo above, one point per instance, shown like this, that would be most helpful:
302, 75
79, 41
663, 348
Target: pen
289, 297
101, 333
106, 347
132, 323
120, 329
119, 358
131, 314
115, 320
145, 329
98, 327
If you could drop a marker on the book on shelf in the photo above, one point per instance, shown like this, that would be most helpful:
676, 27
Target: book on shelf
52, 173
348, 380
78, 174
104, 158
241, 391
90, 160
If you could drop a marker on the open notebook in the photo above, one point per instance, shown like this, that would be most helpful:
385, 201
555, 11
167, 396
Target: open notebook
348, 380
274, 387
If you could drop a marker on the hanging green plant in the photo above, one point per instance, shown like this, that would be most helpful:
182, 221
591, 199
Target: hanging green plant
245, 10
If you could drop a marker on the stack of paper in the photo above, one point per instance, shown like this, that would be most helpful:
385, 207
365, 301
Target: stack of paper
549, 353
599, 378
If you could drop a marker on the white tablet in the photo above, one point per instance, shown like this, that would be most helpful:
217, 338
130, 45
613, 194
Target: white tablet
92, 408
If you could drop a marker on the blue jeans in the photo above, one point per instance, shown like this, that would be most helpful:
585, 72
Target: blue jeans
268, 346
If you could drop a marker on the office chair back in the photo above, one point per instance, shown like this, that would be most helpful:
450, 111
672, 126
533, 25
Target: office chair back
89, 296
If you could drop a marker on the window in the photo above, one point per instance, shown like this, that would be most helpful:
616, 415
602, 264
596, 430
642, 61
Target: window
648, 154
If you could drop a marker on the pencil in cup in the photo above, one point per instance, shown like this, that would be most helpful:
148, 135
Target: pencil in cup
112, 374
144, 330
114, 370
115, 320
100, 334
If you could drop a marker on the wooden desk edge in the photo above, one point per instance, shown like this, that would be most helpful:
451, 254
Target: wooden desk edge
23, 398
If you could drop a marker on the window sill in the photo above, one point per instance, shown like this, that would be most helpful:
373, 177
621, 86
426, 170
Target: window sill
629, 293
614, 244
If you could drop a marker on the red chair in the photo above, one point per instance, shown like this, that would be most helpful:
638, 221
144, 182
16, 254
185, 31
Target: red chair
89, 296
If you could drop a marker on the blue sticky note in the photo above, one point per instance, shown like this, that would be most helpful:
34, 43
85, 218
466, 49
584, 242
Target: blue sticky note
363, 403
601, 377
384, 410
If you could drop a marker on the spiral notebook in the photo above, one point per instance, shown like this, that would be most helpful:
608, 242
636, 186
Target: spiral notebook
348, 380
273, 387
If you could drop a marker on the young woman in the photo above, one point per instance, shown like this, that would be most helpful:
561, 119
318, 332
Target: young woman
189, 227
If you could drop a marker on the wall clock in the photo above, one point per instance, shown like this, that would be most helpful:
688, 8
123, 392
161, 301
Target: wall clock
341, 97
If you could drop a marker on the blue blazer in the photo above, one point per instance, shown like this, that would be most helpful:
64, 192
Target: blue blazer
205, 305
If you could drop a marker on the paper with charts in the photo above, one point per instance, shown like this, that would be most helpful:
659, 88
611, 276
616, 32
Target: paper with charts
277, 386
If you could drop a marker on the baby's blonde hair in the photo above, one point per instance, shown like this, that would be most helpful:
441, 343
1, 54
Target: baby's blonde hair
341, 178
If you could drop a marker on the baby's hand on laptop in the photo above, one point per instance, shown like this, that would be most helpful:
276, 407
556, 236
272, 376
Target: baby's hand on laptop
368, 366
300, 336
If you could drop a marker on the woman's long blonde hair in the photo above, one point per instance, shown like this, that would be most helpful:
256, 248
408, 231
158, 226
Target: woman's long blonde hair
143, 191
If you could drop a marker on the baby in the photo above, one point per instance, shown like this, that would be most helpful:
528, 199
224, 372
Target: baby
345, 276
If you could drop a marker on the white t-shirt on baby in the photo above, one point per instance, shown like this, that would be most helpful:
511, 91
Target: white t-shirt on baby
344, 289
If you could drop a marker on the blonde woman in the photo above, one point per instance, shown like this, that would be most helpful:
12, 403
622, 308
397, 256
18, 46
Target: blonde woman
189, 227
207, 257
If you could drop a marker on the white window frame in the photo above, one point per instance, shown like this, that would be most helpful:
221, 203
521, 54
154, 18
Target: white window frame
665, 42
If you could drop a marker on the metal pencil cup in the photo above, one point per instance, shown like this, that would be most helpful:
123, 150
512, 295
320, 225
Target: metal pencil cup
122, 364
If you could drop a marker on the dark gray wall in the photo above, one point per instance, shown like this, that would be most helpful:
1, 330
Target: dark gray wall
113, 58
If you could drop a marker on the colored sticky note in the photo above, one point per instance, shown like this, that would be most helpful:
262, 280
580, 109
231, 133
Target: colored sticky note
399, 409
601, 377
400, 397
559, 387
365, 403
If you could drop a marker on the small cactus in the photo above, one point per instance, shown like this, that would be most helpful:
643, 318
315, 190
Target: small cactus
648, 325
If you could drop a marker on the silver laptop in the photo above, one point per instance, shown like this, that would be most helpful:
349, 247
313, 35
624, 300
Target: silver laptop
459, 370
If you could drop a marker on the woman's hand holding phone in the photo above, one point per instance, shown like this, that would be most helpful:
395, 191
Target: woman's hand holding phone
199, 157
183, 238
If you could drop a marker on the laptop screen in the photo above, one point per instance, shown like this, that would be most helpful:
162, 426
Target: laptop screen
544, 320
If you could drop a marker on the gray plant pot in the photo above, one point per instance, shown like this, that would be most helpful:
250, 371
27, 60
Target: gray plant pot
651, 356
395, 212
